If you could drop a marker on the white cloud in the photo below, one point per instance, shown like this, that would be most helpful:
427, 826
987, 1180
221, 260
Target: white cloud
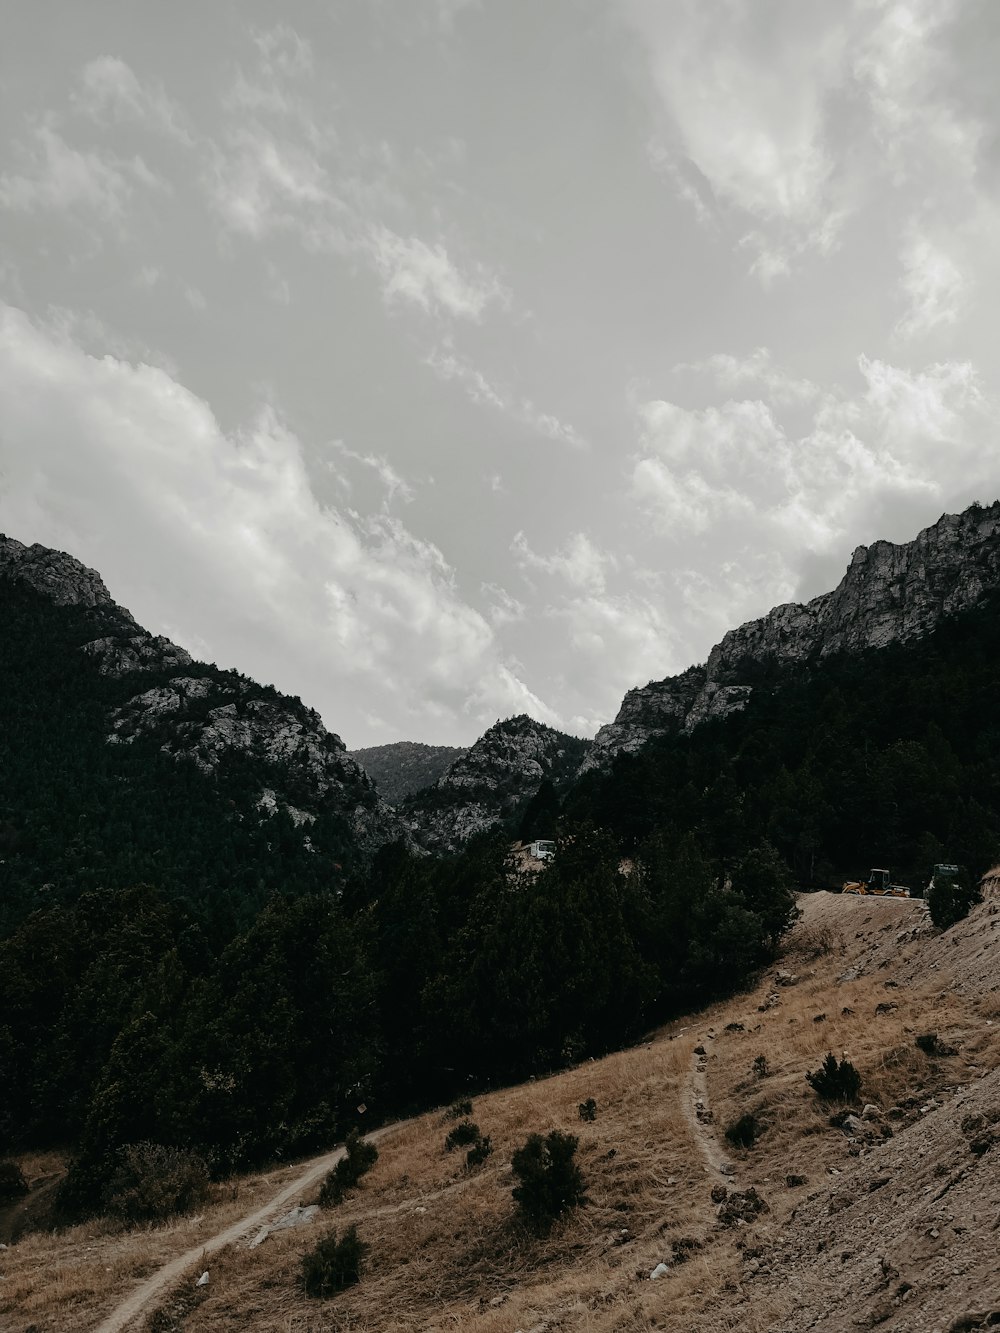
218, 540
260, 184
756, 370
424, 275
110, 89
900, 60
783, 119
394, 485
933, 285
868, 461
61, 177
284, 50
580, 563
447, 364
745, 99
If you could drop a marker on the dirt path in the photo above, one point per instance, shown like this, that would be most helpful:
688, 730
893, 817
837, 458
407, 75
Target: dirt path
122, 1316
699, 1116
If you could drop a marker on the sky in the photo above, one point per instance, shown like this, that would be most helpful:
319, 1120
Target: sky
440, 360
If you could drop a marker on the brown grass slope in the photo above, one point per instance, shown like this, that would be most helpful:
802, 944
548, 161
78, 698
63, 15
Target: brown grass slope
894, 1224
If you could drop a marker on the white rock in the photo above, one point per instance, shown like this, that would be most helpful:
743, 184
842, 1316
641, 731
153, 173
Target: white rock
661, 1270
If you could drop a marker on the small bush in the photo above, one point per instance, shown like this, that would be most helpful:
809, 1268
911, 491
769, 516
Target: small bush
836, 1081
462, 1135
460, 1110
745, 1132
479, 1152
760, 1066
151, 1182
12, 1182
931, 1044
588, 1109
550, 1181
358, 1158
334, 1264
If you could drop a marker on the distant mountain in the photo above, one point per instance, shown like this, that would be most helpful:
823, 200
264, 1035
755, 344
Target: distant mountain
126, 761
890, 593
404, 767
493, 781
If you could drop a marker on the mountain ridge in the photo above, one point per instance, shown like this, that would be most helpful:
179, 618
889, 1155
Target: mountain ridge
890, 592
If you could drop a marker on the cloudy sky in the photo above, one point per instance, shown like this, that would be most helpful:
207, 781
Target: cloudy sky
439, 360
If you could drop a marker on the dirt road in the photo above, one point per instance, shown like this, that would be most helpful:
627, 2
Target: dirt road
123, 1316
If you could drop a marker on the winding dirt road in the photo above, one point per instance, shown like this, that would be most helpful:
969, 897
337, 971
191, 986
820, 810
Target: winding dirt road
123, 1315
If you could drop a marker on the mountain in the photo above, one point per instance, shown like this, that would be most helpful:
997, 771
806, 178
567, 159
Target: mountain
891, 593
405, 767
128, 761
493, 781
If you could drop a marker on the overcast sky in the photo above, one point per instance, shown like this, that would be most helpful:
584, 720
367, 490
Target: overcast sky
440, 360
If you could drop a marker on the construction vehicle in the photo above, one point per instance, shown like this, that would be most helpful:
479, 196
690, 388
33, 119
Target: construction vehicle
877, 885
941, 874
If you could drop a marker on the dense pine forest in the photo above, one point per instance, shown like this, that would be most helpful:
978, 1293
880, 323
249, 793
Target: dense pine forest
176, 968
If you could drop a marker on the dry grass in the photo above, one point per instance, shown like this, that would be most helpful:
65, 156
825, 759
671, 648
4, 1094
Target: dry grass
446, 1252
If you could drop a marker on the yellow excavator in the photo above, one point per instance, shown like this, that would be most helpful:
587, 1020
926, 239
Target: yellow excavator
877, 885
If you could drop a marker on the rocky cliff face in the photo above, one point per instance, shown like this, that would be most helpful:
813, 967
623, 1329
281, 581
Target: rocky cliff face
404, 767
210, 716
124, 646
889, 593
492, 781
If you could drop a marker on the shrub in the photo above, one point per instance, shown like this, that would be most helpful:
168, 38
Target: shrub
836, 1081
12, 1182
359, 1157
462, 1135
334, 1264
931, 1044
459, 1110
760, 1066
588, 1109
151, 1182
745, 1132
479, 1152
550, 1182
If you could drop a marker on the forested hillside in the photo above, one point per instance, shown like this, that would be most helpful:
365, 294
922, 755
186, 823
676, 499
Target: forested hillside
405, 767
79, 813
886, 757
175, 970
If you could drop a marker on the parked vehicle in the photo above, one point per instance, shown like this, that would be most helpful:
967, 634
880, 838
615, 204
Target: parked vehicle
877, 885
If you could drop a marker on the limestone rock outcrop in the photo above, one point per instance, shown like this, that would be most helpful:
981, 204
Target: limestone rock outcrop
492, 781
207, 715
891, 592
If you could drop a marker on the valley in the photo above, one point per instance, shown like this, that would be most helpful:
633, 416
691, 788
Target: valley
889, 1222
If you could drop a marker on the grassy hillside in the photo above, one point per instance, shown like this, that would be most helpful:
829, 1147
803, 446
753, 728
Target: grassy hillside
889, 1222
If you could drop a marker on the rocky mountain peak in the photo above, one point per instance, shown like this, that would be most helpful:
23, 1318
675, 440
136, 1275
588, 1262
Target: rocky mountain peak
890, 592
195, 711
58, 576
493, 781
